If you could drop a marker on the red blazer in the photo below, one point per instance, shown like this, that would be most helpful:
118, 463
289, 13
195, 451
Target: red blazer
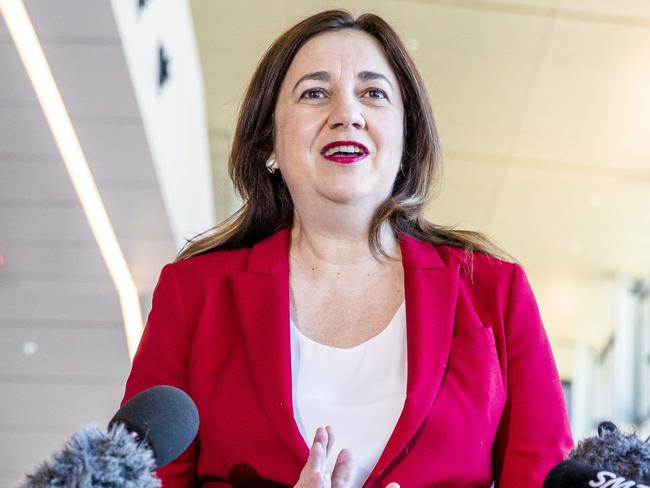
484, 401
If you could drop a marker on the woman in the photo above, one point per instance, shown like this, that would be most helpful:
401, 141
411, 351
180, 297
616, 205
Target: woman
328, 299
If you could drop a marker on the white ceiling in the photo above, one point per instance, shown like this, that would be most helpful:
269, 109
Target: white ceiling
543, 107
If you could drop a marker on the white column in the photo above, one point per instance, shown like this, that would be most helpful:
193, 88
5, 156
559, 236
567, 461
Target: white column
582, 392
625, 315
642, 362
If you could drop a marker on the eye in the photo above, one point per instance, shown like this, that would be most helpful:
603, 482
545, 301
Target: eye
313, 94
377, 93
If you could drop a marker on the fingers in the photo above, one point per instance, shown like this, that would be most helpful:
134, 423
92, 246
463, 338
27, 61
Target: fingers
317, 452
329, 450
392, 485
326, 442
317, 459
316, 474
330, 440
311, 475
343, 470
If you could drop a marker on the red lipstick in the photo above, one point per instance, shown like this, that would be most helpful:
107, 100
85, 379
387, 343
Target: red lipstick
345, 151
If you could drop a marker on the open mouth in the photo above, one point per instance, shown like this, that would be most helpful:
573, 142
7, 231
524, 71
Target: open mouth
344, 151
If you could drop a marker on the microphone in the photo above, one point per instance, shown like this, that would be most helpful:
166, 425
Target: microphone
609, 460
150, 430
576, 475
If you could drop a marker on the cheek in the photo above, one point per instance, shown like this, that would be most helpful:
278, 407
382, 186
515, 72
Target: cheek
392, 124
298, 134
391, 136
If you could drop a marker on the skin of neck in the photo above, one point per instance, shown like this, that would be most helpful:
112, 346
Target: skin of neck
337, 238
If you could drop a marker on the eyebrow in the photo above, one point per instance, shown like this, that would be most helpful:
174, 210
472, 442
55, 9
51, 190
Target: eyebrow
325, 76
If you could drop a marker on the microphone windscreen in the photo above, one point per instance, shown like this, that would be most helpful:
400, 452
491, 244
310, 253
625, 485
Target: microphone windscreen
612, 450
575, 474
164, 417
92, 458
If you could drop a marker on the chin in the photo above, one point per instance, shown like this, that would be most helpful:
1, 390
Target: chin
357, 190
347, 197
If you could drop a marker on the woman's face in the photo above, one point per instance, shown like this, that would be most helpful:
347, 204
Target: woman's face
339, 90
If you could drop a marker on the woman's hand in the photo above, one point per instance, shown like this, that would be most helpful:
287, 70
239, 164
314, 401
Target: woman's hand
315, 473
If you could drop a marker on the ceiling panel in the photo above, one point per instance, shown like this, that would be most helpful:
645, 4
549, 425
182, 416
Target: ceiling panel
574, 220
477, 67
82, 263
79, 323
61, 223
12, 476
56, 352
513, 4
116, 151
25, 131
41, 261
23, 450
77, 67
68, 405
27, 181
135, 211
632, 8
73, 19
591, 101
4, 32
619, 11
14, 83
58, 301
466, 193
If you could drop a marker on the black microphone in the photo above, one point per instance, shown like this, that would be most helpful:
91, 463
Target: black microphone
164, 417
150, 430
575, 474
609, 460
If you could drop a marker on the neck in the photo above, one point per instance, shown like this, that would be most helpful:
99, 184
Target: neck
333, 241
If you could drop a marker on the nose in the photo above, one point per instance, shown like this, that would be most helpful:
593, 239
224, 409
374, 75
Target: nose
346, 112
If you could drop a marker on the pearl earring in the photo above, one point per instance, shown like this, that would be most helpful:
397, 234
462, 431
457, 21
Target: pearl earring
271, 164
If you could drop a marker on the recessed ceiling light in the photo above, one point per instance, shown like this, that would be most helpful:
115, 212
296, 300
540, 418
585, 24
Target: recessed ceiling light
596, 200
30, 348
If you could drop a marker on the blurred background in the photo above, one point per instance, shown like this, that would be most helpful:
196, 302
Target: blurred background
116, 119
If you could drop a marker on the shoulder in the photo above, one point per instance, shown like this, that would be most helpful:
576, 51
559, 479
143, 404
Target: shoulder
210, 265
484, 274
479, 261
266, 255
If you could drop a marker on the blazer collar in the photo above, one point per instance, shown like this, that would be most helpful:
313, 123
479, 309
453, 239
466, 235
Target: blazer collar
272, 254
261, 295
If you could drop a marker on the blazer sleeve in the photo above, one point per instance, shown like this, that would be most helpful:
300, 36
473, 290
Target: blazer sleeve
163, 358
534, 433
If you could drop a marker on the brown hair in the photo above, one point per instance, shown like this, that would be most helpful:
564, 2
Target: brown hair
268, 206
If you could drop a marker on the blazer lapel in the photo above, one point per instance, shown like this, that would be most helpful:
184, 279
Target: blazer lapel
431, 289
262, 298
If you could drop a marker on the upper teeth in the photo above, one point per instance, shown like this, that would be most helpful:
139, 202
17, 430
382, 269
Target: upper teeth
349, 149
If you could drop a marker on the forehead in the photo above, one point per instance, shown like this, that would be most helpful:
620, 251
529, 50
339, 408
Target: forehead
338, 51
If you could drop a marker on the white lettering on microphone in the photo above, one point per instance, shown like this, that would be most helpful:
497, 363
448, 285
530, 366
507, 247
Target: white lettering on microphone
606, 479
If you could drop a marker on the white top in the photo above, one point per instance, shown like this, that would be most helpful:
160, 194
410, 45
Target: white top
359, 391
